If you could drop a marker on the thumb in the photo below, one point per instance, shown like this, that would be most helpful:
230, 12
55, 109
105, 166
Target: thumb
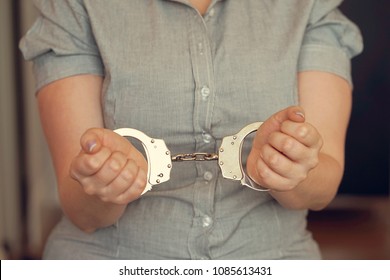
95, 138
91, 141
273, 123
293, 113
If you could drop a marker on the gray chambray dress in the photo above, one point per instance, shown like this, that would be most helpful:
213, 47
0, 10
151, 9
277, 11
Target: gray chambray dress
191, 80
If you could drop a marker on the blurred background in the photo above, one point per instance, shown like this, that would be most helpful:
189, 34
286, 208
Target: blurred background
355, 226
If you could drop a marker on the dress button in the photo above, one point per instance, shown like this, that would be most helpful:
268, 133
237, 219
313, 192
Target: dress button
205, 92
206, 137
211, 12
208, 176
200, 48
206, 221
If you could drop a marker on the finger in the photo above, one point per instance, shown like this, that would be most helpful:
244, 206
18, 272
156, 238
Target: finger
122, 181
274, 123
92, 140
289, 146
282, 165
269, 179
305, 133
135, 188
293, 113
85, 165
111, 168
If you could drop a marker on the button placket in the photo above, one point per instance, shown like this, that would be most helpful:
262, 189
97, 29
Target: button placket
203, 73
204, 191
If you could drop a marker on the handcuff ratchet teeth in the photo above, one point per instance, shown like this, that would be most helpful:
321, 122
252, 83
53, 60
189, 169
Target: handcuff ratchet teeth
160, 160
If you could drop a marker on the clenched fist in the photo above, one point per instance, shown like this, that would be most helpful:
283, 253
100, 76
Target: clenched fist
284, 150
109, 167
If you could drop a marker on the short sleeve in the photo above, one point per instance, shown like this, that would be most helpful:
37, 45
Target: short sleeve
60, 43
330, 41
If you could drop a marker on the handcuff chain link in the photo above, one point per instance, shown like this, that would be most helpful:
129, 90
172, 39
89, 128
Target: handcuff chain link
195, 157
228, 156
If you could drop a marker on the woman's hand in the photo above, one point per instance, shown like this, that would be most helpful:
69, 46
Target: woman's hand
109, 167
284, 150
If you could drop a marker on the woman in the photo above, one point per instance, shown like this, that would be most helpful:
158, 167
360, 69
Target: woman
192, 72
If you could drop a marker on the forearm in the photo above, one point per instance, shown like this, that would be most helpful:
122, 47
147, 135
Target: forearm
317, 190
327, 101
87, 212
298, 153
68, 107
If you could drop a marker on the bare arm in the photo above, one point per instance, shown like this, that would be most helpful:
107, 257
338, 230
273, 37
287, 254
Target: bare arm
89, 163
301, 158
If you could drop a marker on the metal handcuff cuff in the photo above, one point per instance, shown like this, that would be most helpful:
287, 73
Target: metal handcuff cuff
160, 160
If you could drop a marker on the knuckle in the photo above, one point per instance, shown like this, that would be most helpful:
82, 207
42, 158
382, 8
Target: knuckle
303, 131
265, 152
299, 177
287, 144
125, 198
90, 189
74, 174
313, 161
75, 169
92, 163
114, 164
142, 182
273, 159
263, 173
127, 175
139, 184
121, 199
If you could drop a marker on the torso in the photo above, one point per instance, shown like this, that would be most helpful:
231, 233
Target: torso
155, 78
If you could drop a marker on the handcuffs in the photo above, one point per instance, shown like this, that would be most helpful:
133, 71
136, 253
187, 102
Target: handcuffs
160, 160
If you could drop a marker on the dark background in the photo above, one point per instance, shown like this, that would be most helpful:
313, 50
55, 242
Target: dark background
367, 150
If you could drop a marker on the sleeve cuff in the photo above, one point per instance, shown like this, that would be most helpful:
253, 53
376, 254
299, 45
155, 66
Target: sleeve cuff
50, 67
327, 59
